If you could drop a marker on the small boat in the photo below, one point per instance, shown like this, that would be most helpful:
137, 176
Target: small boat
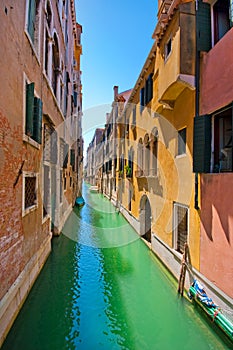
198, 293
79, 202
94, 189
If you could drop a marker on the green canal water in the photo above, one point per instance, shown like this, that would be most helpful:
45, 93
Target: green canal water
102, 288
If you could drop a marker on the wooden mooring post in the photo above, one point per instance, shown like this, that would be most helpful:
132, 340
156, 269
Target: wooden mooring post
183, 270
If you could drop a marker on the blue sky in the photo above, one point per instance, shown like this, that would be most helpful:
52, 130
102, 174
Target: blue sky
116, 40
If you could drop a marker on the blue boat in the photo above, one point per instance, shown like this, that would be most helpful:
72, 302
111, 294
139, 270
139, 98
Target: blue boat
79, 202
198, 293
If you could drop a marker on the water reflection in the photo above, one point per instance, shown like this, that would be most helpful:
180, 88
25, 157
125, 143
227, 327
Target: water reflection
120, 297
98, 224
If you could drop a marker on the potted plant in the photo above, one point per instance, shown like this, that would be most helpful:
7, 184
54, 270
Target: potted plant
128, 171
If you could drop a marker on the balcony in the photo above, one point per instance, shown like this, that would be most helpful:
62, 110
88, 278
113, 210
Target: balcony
176, 63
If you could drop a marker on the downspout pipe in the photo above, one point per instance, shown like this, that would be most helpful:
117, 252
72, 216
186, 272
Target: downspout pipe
197, 96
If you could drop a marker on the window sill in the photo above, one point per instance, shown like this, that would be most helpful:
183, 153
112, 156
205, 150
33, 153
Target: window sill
32, 46
32, 142
45, 218
29, 210
181, 156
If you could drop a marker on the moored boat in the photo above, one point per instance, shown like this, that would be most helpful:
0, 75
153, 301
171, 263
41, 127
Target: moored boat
94, 189
79, 201
198, 293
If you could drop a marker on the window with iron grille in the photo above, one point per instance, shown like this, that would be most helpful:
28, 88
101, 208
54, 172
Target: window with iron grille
30, 195
180, 230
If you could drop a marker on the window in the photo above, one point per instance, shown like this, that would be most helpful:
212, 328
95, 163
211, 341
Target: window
61, 189
202, 144
222, 143
222, 16
33, 127
146, 93
46, 60
142, 99
64, 183
180, 229
130, 199
154, 152
48, 14
181, 141
56, 66
46, 191
231, 13
33, 21
167, 49
65, 155
29, 192
129, 168
72, 159
134, 115
139, 158
146, 158
149, 89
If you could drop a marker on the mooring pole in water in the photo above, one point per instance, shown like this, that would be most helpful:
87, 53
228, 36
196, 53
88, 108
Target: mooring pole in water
183, 270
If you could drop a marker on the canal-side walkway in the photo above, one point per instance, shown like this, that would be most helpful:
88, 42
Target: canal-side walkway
102, 288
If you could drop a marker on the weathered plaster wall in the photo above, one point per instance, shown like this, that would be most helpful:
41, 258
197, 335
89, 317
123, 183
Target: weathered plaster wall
216, 248
216, 75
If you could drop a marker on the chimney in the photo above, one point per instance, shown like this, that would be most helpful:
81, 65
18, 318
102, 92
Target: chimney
115, 89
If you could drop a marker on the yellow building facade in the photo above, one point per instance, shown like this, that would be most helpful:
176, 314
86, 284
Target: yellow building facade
156, 184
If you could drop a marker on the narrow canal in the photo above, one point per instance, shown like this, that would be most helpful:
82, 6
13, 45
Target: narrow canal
102, 288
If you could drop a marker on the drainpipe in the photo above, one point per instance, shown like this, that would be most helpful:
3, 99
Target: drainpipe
197, 106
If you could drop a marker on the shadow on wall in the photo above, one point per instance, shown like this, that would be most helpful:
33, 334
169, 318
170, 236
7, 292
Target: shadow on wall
216, 203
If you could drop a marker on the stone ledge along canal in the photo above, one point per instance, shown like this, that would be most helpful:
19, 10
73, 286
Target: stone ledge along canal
102, 288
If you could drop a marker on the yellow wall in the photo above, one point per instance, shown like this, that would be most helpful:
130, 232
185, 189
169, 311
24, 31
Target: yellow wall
175, 180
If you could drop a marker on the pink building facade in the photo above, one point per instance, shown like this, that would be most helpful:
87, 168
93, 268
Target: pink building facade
216, 182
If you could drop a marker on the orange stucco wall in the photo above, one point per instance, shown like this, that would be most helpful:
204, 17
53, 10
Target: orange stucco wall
216, 70
217, 230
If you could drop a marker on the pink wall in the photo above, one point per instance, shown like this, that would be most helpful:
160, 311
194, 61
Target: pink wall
217, 75
216, 251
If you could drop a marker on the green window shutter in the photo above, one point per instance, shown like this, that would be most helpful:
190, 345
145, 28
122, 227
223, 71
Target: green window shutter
202, 144
29, 108
203, 22
37, 120
31, 18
